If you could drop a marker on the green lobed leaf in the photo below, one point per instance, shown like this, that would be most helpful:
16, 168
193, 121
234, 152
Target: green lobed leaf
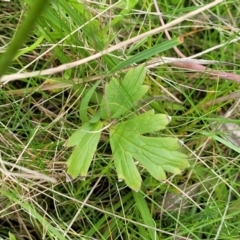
11, 236
162, 151
146, 123
121, 96
156, 154
85, 140
126, 168
80, 133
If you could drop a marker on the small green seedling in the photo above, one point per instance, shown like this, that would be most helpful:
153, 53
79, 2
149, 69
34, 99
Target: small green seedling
156, 154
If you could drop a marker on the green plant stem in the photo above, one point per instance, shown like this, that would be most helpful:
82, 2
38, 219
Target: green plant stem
22, 33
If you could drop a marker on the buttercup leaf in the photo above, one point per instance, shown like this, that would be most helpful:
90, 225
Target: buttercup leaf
81, 157
127, 140
121, 96
146, 123
80, 134
126, 168
156, 154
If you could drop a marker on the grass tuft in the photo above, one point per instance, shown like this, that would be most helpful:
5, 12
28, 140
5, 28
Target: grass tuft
39, 112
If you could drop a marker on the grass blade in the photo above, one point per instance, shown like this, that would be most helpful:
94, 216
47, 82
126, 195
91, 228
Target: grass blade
22, 34
146, 215
148, 53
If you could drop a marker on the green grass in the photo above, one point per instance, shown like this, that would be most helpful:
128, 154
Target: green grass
38, 114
